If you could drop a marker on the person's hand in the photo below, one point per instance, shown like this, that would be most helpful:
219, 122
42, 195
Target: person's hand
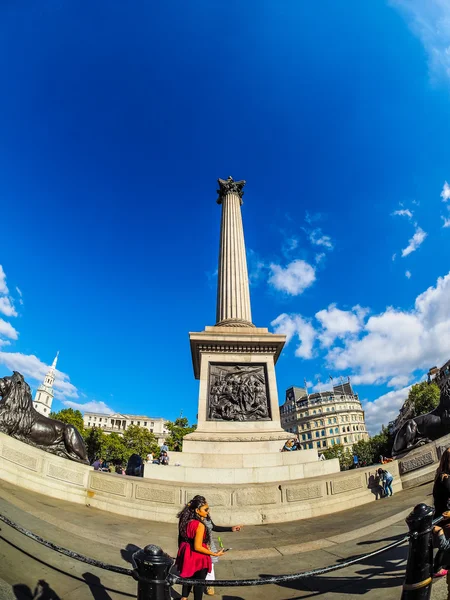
236, 527
446, 514
438, 530
221, 551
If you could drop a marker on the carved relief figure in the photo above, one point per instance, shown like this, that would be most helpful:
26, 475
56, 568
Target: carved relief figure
237, 393
431, 426
19, 419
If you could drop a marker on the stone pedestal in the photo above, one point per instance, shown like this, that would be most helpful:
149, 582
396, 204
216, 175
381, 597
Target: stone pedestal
236, 369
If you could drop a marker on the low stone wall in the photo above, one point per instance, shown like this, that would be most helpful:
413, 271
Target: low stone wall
419, 466
154, 499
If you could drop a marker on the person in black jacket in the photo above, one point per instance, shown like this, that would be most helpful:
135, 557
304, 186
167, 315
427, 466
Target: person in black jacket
209, 523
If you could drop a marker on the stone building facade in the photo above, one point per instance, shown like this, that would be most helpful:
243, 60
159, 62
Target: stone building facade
118, 423
324, 419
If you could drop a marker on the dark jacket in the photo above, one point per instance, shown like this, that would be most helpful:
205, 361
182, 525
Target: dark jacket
441, 495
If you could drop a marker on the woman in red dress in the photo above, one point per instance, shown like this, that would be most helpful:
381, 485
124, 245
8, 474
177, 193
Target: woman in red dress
194, 555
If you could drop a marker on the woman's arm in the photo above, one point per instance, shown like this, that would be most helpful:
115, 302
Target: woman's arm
220, 529
198, 542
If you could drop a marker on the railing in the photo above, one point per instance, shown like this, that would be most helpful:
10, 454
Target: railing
152, 565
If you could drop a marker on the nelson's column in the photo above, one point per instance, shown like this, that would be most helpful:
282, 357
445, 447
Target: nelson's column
238, 410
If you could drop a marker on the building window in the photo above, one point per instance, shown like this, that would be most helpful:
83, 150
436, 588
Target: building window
331, 431
318, 444
151, 430
310, 445
89, 424
309, 436
145, 423
323, 432
112, 421
303, 437
336, 430
138, 422
132, 422
332, 442
317, 434
100, 420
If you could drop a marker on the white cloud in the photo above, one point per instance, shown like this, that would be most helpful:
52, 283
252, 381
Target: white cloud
92, 406
417, 239
4, 343
312, 217
319, 257
8, 330
30, 366
394, 256
446, 222
318, 239
3, 286
338, 323
408, 274
430, 21
6, 307
397, 343
296, 326
445, 194
294, 279
403, 213
399, 381
384, 409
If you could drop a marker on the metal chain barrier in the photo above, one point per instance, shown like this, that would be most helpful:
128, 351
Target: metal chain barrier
152, 565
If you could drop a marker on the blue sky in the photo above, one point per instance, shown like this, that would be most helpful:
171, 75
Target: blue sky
116, 122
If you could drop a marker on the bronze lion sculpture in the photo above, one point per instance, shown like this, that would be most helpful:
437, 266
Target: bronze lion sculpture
19, 419
431, 426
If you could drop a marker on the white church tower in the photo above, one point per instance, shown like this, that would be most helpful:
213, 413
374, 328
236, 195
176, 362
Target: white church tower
44, 394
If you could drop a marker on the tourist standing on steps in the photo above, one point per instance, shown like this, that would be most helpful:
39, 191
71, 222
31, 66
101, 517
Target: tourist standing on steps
194, 555
211, 576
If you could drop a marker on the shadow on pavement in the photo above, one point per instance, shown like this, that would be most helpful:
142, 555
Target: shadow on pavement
379, 572
23, 589
42, 591
127, 552
96, 587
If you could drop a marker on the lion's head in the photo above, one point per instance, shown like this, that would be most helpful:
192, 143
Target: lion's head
17, 414
15, 393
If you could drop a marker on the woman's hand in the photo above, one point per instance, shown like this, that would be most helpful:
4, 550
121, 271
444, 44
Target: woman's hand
438, 530
236, 527
221, 551
446, 514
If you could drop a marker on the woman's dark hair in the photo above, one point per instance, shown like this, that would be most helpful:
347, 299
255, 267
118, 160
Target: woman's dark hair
444, 464
189, 514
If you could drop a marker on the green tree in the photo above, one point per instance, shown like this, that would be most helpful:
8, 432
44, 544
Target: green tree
140, 441
70, 416
114, 448
177, 430
338, 451
94, 438
424, 397
364, 450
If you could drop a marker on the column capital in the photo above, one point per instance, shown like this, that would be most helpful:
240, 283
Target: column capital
229, 186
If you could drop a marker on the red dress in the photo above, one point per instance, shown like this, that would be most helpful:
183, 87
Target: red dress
188, 560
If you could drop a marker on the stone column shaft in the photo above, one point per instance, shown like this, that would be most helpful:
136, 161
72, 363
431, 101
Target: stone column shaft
233, 294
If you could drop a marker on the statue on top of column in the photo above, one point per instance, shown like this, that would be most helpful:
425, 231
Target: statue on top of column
229, 186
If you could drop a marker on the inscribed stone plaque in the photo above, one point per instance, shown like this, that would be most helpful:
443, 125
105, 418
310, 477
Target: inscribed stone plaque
69, 475
417, 462
238, 393
20, 458
109, 485
267, 495
346, 484
214, 497
165, 495
304, 492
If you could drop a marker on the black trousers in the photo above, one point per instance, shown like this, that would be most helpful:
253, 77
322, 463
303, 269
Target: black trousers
198, 589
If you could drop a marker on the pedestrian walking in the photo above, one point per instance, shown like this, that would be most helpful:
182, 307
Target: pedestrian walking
211, 576
194, 539
355, 461
386, 479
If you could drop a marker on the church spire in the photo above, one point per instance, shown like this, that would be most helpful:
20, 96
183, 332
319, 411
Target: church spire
55, 361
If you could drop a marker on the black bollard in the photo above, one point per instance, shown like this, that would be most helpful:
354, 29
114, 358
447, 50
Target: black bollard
152, 566
419, 569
